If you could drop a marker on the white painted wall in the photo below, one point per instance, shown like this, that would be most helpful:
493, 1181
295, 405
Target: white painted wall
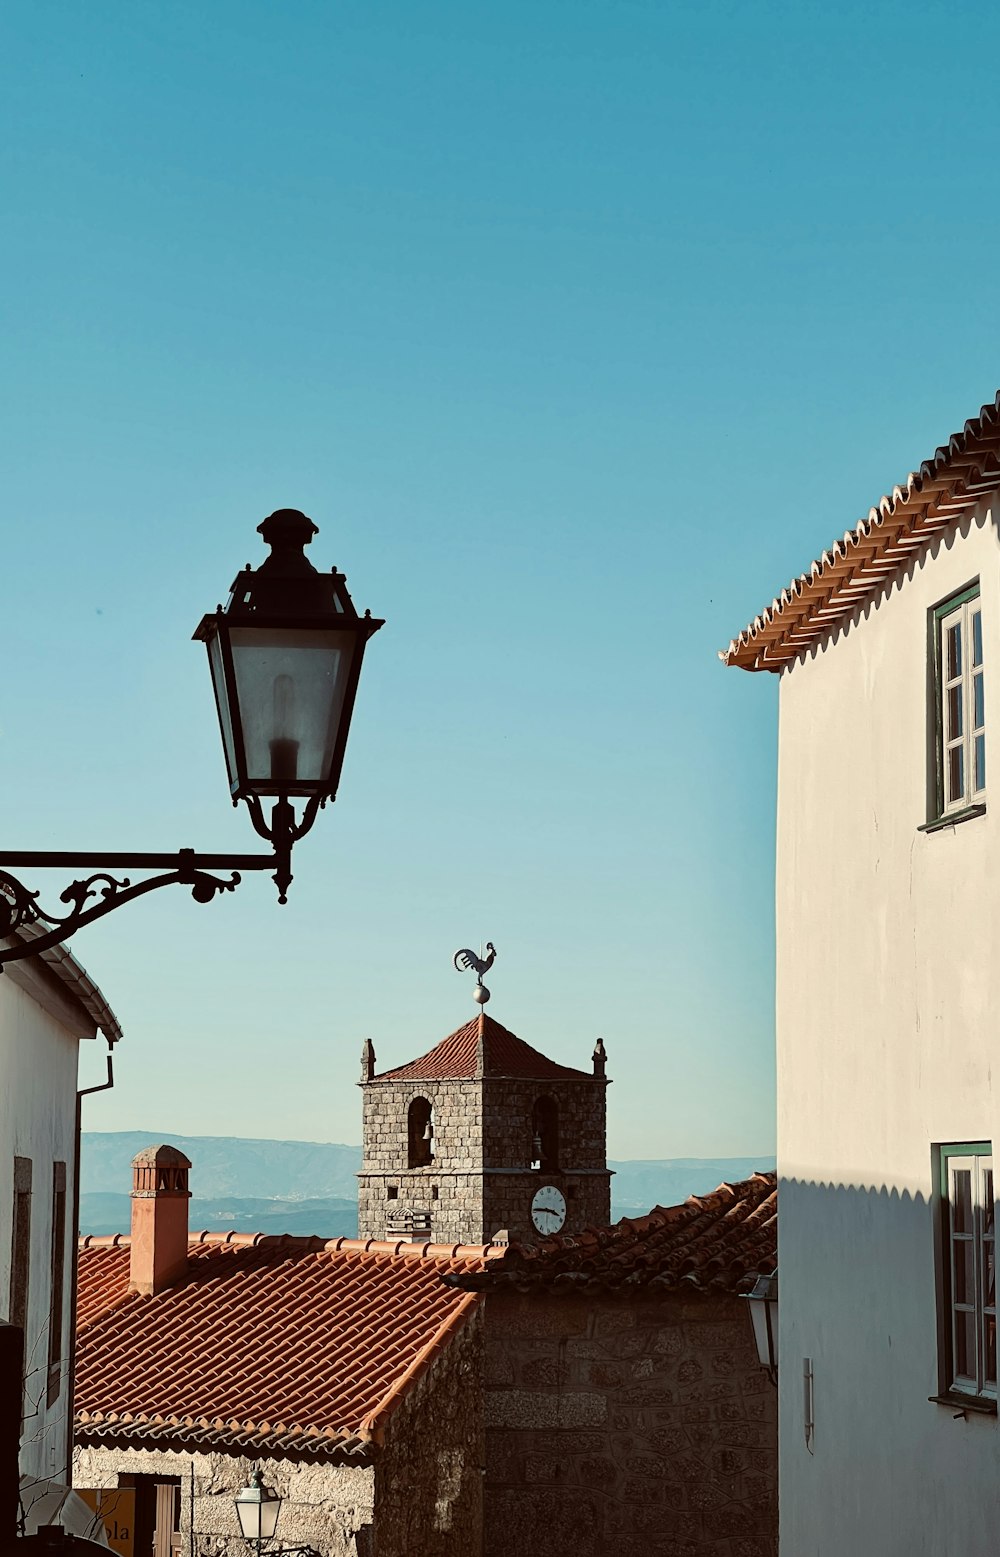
38, 1080
888, 1020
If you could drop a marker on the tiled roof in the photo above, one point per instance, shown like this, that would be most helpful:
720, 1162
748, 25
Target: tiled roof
481, 1048
716, 1242
277, 1343
952, 481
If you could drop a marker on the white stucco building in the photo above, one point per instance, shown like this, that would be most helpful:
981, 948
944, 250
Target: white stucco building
888, 1013
47, 1006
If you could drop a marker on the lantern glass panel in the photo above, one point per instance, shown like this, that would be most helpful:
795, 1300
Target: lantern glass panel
290, 687
222, 704
269, 1511
763, 1305
258, 1513
758, 1316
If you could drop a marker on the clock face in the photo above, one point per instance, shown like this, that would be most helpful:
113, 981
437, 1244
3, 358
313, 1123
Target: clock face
548, 1209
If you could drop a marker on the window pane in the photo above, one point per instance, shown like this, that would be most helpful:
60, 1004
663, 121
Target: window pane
965, 1344
980, 762
954, 712
990, 1348
956, 773
954, 636
979, 713
977, 638
961, 1200
964, 1265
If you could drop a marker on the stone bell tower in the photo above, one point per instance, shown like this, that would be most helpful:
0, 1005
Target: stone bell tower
483, 1135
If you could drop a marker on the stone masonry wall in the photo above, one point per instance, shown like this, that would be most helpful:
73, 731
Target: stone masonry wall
507, 1111
458, 1124
480, 1179
636, 1427
429, 1477
450, 1188
329, 1507
507, 1201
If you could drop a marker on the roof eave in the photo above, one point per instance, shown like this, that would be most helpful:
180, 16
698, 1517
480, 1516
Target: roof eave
957, 478
72, 975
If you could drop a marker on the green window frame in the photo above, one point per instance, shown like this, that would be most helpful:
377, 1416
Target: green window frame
959, 715
967, 1271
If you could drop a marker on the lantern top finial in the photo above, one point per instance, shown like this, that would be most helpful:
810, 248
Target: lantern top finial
287, 530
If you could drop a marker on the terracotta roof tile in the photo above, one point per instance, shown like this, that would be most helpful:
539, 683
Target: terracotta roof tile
947, 485
720, 1242
481, 1048
282, 1343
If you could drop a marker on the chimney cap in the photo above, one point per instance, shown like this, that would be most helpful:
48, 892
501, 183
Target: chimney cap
159, 1157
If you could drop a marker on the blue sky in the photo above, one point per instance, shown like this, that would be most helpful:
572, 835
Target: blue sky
578, 328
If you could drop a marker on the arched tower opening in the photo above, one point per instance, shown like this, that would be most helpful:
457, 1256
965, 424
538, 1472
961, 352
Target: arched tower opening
420, 1133
545, 1135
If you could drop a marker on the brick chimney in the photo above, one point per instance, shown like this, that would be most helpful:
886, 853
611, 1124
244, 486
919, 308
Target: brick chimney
160, 1198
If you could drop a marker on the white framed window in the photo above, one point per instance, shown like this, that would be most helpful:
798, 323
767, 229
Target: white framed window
968, 1268
961, 708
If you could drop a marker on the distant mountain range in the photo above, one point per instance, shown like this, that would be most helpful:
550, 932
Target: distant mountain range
322, 1217
310, 1186
224, 1165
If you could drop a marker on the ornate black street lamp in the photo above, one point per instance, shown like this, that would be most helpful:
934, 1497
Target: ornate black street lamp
257, 1510
285, 657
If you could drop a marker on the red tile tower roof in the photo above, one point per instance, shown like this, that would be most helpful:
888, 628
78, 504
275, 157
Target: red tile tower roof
716, 1242
293, 1345
481, 1048
956, 477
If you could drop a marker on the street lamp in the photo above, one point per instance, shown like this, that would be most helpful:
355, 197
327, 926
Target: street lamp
762, 1304
285, 656
257, 1511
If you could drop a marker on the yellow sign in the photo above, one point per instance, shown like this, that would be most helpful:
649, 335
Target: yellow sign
115, 1507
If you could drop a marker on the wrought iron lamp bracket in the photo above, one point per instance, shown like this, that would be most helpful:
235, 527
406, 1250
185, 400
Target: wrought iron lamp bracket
282, 831
92, 896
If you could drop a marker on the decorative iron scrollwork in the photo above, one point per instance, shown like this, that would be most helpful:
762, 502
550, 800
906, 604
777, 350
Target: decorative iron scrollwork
18, 906
29, 929
90, 899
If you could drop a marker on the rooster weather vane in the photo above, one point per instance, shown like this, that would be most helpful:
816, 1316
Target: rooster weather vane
466, 960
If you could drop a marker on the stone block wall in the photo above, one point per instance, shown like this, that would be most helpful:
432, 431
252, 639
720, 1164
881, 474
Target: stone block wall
458, 1124
328, 1507
631, 1426
507, 1201
429, 1476
450, 1188
480, 1179
507, 1113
